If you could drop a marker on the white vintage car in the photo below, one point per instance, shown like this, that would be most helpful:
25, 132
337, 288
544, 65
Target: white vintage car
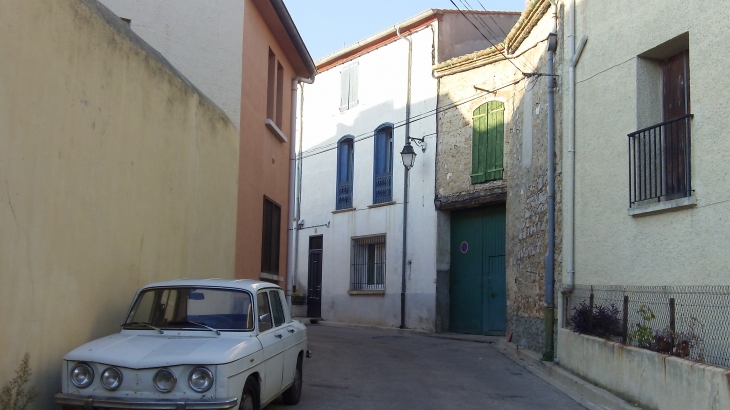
192, 344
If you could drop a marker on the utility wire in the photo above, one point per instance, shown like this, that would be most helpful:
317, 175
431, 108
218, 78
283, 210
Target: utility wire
488, 40
532, 67
426, 114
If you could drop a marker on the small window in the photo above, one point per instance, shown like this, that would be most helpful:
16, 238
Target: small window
348, 87
264, 312
270, 237
345, 171
383, 165
276, 308
275, 90
487, 155
368, 263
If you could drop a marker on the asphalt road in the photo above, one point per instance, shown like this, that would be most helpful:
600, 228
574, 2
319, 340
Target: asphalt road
363, 368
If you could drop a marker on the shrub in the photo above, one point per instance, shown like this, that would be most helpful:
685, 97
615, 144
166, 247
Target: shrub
606, 320
13, 396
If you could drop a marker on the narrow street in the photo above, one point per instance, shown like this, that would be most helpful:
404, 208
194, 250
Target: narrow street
364, 368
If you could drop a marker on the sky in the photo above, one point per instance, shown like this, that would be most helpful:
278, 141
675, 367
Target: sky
330, 25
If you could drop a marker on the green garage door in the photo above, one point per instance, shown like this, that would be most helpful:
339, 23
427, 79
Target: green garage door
478, 302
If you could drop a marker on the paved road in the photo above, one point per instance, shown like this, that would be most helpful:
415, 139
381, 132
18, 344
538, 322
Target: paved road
362, 368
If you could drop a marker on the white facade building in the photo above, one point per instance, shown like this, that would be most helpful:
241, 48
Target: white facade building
354, 122
204, 40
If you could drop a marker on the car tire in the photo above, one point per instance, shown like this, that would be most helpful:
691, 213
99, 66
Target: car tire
294, 392
250, 395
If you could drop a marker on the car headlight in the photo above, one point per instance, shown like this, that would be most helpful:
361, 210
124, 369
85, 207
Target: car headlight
200, 379
82, 375
111, 378
165, 380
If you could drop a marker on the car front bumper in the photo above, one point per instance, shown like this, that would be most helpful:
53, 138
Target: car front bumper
90, 402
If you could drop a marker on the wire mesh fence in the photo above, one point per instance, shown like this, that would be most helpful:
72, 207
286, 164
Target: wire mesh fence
692, 322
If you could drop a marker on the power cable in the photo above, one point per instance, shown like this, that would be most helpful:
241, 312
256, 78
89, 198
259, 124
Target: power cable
366, 135
488, 40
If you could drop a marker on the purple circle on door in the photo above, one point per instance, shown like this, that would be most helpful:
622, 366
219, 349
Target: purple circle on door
464, 247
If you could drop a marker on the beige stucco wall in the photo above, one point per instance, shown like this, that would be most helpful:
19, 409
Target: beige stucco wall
653, 380
113, 173
686, 247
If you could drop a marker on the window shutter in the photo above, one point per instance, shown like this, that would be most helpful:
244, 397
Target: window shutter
495, 141
344, 88
353, 100
478, 160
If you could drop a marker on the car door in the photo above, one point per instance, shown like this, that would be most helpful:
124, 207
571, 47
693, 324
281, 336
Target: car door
288, 332
270, 337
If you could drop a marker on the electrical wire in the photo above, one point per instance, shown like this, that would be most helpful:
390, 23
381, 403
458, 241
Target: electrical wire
532, 67
488, 40
366, 135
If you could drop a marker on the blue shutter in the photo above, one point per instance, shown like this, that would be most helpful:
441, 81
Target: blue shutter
345, 172
383, 165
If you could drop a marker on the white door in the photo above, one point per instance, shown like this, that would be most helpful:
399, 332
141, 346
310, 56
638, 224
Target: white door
271, 340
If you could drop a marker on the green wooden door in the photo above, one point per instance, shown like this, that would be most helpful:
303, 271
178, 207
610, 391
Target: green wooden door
477, 281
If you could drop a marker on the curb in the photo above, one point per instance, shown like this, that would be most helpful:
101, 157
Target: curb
322, 322
580, 390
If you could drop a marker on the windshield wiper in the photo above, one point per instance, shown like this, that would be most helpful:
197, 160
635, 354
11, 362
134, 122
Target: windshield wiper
218, 332
144, 324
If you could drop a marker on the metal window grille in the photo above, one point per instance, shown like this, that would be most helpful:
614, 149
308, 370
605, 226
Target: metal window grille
659, 162
368, 263
383, 188
344, 195
696, 315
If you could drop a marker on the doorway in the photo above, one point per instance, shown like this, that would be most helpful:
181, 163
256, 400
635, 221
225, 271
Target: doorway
314, 282
478, 295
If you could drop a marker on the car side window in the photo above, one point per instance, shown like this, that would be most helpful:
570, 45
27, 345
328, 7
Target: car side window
263, 311
277, 308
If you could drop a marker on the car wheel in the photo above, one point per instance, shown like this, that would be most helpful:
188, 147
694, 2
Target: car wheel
250, 396
294, 392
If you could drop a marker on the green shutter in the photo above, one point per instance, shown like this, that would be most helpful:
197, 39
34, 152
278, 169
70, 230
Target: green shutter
487, 161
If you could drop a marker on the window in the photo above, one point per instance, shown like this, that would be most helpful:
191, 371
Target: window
487, 154
276, 309
368, 263
383, 165
264, 318
270, 237
345, 168
348, 87
659, 154
275, 96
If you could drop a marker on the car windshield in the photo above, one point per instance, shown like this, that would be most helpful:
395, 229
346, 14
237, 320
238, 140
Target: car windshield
191, 308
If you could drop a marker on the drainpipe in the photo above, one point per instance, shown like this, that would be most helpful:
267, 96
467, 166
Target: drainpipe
569, 170
552, 45
405, 185
293, 224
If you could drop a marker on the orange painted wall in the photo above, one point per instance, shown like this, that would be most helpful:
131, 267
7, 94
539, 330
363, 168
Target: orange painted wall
264, 159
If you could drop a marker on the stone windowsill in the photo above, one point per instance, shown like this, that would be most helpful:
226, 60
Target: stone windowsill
366, 292
381, 204
275, 130
339, 211
271, 276
661, 207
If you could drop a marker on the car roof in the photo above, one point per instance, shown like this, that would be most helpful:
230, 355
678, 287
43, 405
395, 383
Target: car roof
247, 284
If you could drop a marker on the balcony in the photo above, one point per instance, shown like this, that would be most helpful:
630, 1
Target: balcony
659, 162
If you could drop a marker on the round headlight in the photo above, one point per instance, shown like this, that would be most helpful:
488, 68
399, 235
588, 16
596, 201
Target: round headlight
82, 375
111, 378
201, 379
165, 380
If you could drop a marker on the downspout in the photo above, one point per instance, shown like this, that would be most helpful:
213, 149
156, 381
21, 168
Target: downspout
569, 200
552, 44
405, 185
293, 224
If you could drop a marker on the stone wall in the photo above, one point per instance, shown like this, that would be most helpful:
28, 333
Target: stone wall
524, 186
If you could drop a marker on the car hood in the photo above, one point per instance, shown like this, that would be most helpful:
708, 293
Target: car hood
139, 351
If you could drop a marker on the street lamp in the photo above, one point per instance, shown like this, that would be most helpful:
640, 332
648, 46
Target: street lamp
408, 155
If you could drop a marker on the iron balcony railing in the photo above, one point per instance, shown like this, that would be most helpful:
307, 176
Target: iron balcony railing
383, 188
344, 195
659, 162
